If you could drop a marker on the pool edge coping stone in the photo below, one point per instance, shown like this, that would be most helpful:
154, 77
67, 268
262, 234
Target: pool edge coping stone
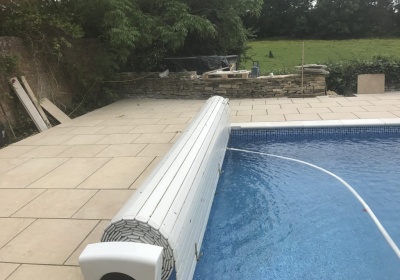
317, 124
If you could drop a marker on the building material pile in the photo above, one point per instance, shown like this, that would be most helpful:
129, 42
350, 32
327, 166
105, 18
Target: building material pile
313, 69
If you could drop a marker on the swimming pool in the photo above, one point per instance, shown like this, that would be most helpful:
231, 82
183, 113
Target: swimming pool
274, 218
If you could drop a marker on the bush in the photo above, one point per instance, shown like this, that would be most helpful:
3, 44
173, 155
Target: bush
343, 75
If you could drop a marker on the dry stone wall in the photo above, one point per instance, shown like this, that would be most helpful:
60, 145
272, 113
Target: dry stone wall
190, 86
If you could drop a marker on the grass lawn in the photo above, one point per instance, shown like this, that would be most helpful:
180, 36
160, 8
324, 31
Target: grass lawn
287, 53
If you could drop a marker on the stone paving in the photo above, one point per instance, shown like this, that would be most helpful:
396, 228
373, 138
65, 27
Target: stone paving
60, 188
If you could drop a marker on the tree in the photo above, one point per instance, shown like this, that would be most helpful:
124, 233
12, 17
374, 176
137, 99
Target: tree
289, 18
226, 16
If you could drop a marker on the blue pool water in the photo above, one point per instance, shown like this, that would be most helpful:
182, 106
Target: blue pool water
278, 219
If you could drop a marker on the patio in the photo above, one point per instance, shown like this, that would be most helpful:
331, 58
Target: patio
60, 188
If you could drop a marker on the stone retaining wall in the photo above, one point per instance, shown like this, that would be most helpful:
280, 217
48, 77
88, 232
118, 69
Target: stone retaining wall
190, 86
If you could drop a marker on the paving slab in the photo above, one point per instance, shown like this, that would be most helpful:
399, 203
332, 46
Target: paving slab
118, 173
11, 200
56, 203
121, 150
59, 188
12, 227
94, 237
6, 269
28, 172
76, 151
47, 241
46, 272
155, 138
104, 204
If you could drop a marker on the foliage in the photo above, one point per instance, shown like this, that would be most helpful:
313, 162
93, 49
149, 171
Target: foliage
343, 75
40, 23
226, 17
133, 35
8, 64
327, 19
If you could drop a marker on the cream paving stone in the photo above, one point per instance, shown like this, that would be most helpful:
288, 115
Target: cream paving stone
278, 101
174, 121
175, 128
302, 117
334, 98
240, 119
183, 109
389, 96
94, 237
358, 103
268, 118
11, 200
385, 102
139, 181
116, 129
374, 115
381, 108
397, 113
295, 105
118, 173
244, 107
86, 130
46, 272
83, 151
52, 140
235, 102
70, 174
56, 130
116, 122
155, 138
118, 138
253, 102
233, 112
28, 172
121, 150
266, 107
15, 151
84, 139
176, 137
141, 116
47, 241
324, 104
6, 269
10, 163
104, 204
81, 121
188, 114
151, 128
306, 100
168, 115
11, 227
362, 97
45, 151
146, 121
30, 140
155, 150
250, 112
314, 110
337, 116
282, 111
56, 203
347, 109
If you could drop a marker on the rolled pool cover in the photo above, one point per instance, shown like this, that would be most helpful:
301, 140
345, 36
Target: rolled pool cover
172, 207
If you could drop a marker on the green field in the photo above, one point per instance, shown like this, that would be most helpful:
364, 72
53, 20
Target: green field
287, 53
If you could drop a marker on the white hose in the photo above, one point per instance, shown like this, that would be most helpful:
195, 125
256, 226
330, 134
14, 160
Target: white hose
385, 234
